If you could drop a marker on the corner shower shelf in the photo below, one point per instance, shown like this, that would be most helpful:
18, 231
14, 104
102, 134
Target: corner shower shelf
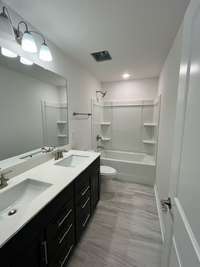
61, 122
149, 142
105, 139
105, 123
62, 135
150, 124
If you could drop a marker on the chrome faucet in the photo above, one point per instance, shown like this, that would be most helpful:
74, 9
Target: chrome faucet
58, 154
3, 179
47, 149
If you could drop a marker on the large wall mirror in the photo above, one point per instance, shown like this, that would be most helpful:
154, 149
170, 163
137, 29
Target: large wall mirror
33, 108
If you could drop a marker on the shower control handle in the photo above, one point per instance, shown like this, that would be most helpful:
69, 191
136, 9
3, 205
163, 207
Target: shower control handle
166, 203
98, 137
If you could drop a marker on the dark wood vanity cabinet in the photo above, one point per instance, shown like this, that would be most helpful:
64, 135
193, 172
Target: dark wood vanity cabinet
87, 194
95, 184
49, 238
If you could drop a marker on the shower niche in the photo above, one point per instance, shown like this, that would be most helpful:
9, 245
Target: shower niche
55, 123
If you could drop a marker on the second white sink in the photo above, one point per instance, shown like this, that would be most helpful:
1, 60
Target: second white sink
72, 161
19, 196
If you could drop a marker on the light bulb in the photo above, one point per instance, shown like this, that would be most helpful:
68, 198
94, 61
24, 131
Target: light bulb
45, 53
28, 43
26, 61
8, 53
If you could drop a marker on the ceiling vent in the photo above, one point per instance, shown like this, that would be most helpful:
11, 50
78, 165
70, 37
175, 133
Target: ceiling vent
101, 56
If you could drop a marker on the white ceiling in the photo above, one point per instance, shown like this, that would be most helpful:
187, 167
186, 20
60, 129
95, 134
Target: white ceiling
137, 33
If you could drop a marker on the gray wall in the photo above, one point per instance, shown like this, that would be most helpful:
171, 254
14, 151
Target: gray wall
131, 89
168, 88
20, 111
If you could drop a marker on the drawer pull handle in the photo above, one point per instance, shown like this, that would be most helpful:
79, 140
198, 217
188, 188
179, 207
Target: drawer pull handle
65, 218
84, 205
85, 191
62, 263
64, 235
44, 245
86, 220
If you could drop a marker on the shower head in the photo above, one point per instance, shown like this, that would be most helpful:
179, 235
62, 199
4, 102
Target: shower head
103, 93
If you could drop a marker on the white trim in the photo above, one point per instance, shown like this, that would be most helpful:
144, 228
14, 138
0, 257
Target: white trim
176, 252
162, 227
131, 103
188, 228
55, 104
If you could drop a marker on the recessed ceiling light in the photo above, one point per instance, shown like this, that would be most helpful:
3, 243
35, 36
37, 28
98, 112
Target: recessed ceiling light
126, 76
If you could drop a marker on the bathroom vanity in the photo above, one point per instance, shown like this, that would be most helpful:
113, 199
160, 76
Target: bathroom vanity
52, 211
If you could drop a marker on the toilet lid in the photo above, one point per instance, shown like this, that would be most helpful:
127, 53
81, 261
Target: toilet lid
106, 170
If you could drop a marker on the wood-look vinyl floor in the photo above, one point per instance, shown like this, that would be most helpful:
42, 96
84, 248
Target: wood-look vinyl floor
124, 232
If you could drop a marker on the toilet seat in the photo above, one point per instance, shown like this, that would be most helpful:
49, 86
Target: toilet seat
107, 171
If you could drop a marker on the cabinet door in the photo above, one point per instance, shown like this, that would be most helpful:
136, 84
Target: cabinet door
33, 255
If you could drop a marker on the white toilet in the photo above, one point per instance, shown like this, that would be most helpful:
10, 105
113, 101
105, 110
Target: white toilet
107, 174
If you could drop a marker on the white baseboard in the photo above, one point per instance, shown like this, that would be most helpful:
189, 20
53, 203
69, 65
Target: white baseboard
162, 229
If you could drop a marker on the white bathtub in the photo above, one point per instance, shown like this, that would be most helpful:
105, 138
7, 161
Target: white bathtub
131, 167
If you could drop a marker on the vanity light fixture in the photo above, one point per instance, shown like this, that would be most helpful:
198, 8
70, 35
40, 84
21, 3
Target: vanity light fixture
26, 37
8, 53
26, 61
28, 43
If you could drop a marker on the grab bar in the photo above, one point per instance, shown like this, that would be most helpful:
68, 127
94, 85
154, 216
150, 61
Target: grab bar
78, 113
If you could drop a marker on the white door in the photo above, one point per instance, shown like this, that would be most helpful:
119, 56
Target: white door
184, 220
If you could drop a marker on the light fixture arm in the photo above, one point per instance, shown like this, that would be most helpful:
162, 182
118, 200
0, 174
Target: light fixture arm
6, 14
22, 22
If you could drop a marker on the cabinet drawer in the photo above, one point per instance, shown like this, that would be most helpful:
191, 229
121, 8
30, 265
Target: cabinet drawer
61, 220
82, 185
82, 220
64, 252
83, 205
61, 242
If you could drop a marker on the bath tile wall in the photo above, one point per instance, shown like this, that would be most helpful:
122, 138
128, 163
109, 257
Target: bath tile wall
127, 130
128, 105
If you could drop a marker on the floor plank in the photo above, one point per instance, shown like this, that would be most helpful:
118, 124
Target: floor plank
124, 231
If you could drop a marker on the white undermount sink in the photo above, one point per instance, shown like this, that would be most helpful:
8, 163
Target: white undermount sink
19, 196
72, 161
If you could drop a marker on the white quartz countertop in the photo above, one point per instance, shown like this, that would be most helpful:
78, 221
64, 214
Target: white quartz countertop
58, 176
